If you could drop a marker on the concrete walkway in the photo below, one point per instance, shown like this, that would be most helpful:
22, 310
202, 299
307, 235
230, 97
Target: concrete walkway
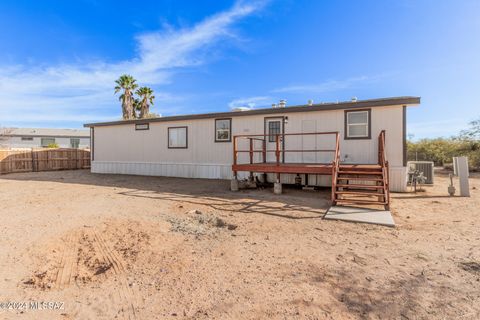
362, 215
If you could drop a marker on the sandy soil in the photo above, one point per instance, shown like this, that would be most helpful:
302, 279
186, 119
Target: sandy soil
126, 247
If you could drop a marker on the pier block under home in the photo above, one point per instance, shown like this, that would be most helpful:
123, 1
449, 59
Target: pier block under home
356, 146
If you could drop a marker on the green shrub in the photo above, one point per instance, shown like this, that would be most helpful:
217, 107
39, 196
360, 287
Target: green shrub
442, 150
53, 145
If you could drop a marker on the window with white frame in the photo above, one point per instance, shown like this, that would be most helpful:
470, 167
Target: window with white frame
223, 130
74, 143
177, 138
357, 124
45, 142
274, 129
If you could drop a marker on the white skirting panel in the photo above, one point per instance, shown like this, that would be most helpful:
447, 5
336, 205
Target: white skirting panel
398, 175
398, 179
182, 170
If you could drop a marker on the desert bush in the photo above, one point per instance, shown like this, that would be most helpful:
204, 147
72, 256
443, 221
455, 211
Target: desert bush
53, 145
442, 150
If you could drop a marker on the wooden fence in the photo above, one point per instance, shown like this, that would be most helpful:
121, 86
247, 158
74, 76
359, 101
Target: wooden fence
43, 160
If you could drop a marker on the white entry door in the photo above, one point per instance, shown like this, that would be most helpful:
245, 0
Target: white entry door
273, 126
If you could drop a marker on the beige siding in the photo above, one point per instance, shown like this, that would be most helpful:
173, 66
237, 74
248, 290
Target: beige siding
63, 142
122, 149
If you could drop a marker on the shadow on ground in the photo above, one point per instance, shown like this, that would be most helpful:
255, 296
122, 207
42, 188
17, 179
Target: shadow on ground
293, 204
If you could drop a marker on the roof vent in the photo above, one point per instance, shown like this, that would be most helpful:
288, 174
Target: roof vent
310, 102
282, 103
354, 99
274, 105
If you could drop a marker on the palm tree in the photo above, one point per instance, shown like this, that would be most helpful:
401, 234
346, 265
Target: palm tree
146, 99
128, 84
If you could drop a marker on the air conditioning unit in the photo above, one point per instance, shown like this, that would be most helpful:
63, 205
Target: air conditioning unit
422, 166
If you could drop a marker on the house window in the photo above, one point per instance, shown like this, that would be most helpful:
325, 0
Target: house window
178, 138
142, 126
27, 138
45, 142
357, 124
274, 128
223, 130
75, 143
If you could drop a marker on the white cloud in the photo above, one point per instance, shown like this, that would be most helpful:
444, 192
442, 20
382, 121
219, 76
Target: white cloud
72, 90
330, 85
250, 102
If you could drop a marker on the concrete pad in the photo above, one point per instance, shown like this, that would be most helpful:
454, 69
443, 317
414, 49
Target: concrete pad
362, 215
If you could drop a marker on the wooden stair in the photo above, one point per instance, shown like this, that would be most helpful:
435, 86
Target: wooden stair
363, 184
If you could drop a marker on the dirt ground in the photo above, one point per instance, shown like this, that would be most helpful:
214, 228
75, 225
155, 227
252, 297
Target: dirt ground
89, 246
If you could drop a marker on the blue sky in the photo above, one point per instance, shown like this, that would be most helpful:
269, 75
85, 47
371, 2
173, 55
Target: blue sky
58, 59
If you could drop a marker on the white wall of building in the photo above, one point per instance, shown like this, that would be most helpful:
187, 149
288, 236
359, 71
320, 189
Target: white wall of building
63, 142
123, 150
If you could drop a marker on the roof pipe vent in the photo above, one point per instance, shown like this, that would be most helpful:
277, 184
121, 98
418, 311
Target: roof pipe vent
282, 103
354, 99
310, 102
274, 105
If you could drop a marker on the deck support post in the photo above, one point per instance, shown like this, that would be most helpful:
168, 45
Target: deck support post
234, 184
277, 187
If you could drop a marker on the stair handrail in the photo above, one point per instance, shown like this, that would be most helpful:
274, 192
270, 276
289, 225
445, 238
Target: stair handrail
382, 160
335, 167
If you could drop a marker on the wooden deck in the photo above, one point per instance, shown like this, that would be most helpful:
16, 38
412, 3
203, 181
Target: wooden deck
311, 168
272, 167
351, 183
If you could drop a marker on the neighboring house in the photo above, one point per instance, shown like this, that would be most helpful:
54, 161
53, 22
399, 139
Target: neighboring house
42, 137
201, 145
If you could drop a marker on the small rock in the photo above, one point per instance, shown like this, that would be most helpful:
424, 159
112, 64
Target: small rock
219, 223
196, 211
231, 226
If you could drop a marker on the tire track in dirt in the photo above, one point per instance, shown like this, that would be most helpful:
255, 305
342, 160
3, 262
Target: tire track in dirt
85, 255
61, 266
126, 292
68, 261
125, 314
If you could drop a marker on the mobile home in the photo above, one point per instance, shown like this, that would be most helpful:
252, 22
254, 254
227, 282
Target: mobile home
43, 137
284, 143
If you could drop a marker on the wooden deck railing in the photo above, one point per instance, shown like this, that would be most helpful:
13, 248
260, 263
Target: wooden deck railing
280, 147
335, 168
382, 161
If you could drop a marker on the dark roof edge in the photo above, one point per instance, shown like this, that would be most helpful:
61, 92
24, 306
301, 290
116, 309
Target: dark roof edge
384, 102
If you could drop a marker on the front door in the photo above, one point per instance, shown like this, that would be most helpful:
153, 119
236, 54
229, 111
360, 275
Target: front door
273, 127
